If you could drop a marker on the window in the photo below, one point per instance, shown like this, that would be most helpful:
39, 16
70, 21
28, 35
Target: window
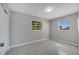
63, 25
36, 25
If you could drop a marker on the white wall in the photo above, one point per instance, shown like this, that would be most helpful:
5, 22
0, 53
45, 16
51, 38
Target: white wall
4, 28
78, 29
69, 36
21, 28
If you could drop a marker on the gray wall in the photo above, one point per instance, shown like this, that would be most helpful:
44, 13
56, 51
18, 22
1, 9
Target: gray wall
21, 28
69, 36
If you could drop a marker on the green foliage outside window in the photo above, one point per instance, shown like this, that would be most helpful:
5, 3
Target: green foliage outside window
36, 25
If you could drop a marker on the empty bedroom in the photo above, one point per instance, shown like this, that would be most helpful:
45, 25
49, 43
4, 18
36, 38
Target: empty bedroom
39, 29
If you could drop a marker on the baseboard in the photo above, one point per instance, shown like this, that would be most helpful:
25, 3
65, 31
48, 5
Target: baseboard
70, 43
27, 43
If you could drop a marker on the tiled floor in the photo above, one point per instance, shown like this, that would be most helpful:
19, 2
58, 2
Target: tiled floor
47, 47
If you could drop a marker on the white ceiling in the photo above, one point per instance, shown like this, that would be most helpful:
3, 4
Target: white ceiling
38, 9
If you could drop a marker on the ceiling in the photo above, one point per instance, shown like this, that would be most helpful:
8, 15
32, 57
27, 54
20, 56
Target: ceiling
38, 9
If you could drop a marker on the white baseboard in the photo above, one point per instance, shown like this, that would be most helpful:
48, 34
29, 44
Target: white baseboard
71, 43
74, 44
28, 43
